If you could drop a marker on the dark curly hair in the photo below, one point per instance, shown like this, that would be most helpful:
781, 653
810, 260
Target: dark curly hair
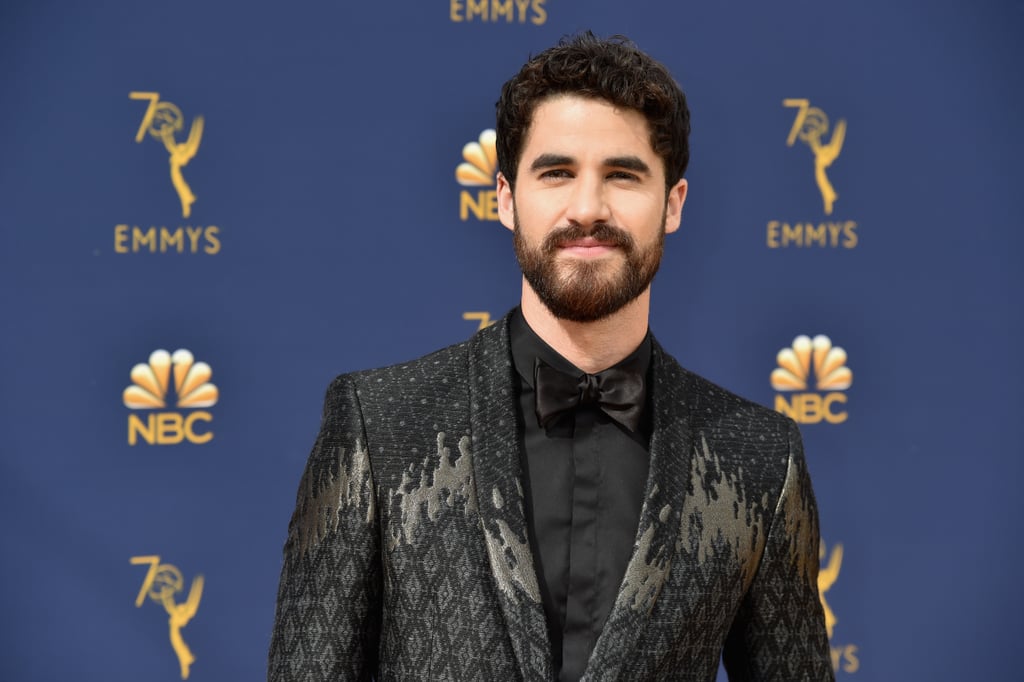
614, 70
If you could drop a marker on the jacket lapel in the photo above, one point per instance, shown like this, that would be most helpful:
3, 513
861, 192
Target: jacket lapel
658, 536
498, 473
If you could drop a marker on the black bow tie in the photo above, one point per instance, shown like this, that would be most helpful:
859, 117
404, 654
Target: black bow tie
618, 391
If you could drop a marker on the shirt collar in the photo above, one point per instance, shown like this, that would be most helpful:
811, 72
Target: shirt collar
527, 345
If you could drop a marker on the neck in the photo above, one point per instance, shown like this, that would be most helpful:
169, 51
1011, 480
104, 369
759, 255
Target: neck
591, 346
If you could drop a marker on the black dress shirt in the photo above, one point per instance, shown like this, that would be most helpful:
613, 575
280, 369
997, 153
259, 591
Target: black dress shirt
585, 476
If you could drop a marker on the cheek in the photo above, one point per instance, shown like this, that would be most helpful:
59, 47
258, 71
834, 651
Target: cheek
642, 215
534, 217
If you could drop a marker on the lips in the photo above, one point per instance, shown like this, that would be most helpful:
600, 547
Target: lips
597, 240
587, 243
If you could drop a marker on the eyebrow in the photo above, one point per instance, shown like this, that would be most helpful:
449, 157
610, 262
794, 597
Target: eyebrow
550, 160
632, 163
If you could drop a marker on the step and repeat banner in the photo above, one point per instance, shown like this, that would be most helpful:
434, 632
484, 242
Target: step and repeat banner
209, 210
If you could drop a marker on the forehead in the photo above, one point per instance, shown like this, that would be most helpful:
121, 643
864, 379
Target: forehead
562, 122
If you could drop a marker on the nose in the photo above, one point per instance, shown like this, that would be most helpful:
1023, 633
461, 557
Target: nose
588, 202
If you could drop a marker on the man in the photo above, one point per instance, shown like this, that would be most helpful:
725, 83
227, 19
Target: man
557, 498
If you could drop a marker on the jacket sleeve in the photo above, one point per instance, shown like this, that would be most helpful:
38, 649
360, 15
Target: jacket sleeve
779, 632
328, 602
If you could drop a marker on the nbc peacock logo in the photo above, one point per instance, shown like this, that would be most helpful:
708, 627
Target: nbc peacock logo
478, 170
793, 375
151, 384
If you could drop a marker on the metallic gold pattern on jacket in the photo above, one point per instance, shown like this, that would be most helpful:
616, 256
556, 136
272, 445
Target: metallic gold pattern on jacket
799, 513
350, 485
719, 518
442, 485
644, 575
507, 550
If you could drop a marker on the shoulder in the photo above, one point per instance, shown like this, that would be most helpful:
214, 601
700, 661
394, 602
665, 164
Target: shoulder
717, 410
444, 370
730, 434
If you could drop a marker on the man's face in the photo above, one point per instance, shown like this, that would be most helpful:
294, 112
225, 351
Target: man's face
589, 212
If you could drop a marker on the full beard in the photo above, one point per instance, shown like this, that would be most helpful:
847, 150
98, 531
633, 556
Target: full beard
582, 290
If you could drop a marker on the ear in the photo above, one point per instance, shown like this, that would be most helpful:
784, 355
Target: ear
674, 205
506, 203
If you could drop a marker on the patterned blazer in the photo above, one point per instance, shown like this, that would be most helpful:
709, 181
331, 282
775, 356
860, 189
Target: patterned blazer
407, 556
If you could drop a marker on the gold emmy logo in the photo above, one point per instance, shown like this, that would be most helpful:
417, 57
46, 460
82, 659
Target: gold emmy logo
811, 126
482, 316
793, 374
843, 656
827, 577
163, 120
508, 11
162, 583
148, 391
478, 170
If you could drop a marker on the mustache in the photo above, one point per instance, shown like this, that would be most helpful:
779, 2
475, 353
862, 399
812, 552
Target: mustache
602, 232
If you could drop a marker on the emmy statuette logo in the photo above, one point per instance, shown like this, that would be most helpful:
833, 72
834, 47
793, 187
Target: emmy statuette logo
151, 382
478, 170
844, 656
811, 126
165, 124
162, 121
161, 584
825, 142
793, 375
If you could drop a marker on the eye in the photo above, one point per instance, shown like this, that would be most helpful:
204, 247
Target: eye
556, 173
623, 175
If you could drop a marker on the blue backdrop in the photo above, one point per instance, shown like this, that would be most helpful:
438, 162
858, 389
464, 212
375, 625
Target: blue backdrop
271, 188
